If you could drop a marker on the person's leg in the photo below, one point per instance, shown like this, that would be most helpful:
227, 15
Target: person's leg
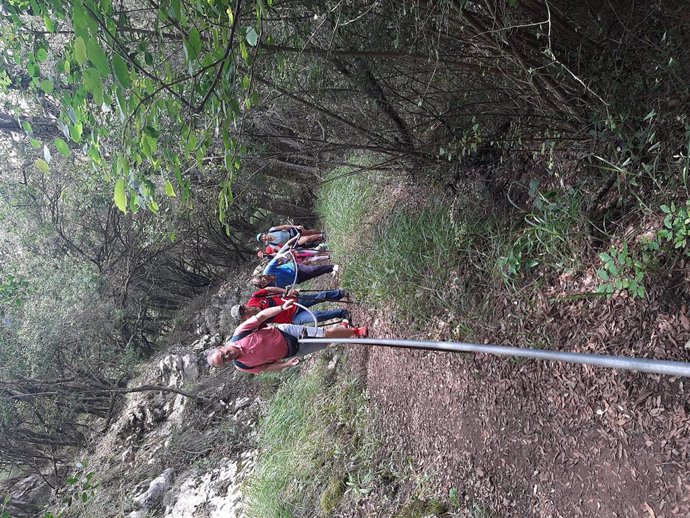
304, 318
316, 259
340, 332
305, 240
311, 232
300, 332
306, 272
315, 298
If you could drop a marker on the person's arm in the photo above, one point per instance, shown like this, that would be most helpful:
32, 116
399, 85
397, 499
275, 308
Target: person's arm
272, 265
288, 244
270, 290
286, 227
268, 313
271, 367
261, 317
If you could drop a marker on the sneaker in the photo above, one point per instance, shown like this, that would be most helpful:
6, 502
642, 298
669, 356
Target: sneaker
346, 315
335, 270
345, 323
361, 332
346, 296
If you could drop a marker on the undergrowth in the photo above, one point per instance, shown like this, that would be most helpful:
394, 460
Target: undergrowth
391, 254
315, 450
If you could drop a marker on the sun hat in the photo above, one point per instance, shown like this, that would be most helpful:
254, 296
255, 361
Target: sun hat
258, 237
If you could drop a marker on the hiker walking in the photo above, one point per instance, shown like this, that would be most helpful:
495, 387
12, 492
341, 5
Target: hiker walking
281, 274
272, 297
257, 349
281, 234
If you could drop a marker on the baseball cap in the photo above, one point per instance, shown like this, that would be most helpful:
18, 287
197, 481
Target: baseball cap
235, 311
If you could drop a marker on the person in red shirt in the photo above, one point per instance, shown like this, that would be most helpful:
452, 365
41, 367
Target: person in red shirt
272, 296
257, 349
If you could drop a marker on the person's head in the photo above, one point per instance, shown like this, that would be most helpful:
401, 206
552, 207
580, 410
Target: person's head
260, 254
260, 237
222, 355
243, 312
261, 281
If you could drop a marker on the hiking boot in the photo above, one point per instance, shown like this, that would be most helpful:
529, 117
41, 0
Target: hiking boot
335, 270
361, 332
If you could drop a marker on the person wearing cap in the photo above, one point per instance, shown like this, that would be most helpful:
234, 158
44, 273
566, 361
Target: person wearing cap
272, 297
279, 235
256, 349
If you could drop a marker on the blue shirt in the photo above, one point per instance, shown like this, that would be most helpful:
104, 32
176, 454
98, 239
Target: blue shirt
285, 273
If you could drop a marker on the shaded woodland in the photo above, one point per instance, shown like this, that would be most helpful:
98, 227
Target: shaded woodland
144, 144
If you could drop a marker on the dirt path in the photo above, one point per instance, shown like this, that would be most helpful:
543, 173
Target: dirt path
542, 439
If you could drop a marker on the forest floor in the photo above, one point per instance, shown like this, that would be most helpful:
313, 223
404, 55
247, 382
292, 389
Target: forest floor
524, 438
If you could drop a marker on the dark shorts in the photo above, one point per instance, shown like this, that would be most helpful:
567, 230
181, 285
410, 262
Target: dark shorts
292, 343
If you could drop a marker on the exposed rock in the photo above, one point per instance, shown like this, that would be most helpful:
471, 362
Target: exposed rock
154, 494
26, 496
178, 369
217, 492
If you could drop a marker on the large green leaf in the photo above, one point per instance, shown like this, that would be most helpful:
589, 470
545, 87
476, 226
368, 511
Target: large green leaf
42, 165
47, 86
41, 55
121, 71
80, 51
98, 57
94, 84
62, 146
169, 189
193, 45
120, 196
175, 10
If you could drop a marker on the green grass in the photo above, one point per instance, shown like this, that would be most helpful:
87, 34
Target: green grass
404, 258
312, 444
550, 235
344, 203
409, 261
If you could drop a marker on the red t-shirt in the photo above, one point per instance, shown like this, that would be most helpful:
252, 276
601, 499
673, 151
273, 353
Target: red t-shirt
262, 346
262, 300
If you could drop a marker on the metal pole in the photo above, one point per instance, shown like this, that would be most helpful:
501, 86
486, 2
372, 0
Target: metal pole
668, 367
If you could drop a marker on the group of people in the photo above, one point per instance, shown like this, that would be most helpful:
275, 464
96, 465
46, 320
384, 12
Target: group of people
292, 253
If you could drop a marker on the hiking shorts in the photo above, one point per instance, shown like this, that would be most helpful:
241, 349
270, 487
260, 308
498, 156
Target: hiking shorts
300, 331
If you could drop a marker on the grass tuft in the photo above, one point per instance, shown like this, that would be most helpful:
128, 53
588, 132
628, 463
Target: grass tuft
312, 442
422, 508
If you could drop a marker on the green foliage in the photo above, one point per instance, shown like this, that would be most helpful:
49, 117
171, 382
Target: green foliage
553, 226
418, 508
332, 495
622, 271
80, 489
676, 225
114, 85
311, 446
625, 269
404, 258
454, 497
